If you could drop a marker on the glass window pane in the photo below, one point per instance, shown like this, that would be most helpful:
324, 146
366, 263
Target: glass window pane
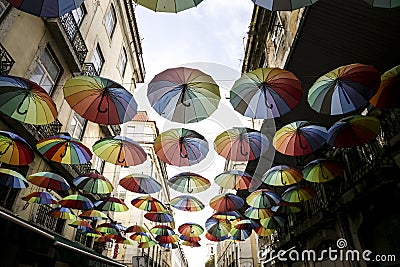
122, 61
110, 21
50, 65
47, 84
38, 74
78, 15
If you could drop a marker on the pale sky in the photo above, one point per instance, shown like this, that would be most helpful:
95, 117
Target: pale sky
214, 33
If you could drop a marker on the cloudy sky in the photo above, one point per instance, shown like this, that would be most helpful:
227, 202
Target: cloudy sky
213, 33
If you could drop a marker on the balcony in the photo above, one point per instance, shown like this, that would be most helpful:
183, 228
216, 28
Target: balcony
6, 61
89, 69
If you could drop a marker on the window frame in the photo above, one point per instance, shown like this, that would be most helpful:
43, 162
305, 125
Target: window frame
122, 55
75, 116
110, 12
81, 18
277, 34
97, 49
6, 7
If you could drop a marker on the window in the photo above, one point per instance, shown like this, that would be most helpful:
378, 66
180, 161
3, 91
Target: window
278, 31
97, 59
79, 14
130, 131
110, 21
47, 71
42, 218
3, 8
98, 164
122, 60
76, 126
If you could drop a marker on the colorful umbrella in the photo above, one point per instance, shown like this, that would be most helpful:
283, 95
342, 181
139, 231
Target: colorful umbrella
12, 179
246, 225
191, 244
217, 227
344, 89
62, 213
40, 198
388, 93
93, 183
285, 208
299, 138
227, 215
162, 230
149, 244
181, 147
100, 100
226, 202
263, 198
190, 229
148, 203
188, 182
111, 204
273, 222
140, 237
239, 234
282, 175
140, 183
108, 228
124, 241
102, 239
187, 203
322, 170
384, 3
265, 93
91, 232
76, 202
46, 8
135, 229
241, 144
25, 101
93, 215
283, 5
167, 239
120, 150
234, 179
255, 213
298, 194
215, 238
183, 95
353, 131
81, 225
14, 150
64, 149
161, 217
262, 231
174, 6
48, 180
169, 245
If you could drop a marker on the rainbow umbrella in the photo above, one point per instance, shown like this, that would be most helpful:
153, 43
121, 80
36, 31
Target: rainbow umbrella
111, 204
149, 244
227, 215
226, 202
215, 238
120, 150
135, 229
140, 237
262, 231
12, 179
388, 93
93, 183
239, 234
344, 89
266, 93
40, 198
273, 222
183, 95
93, 215
108, 228
283, 5
25, 101
14, 150
161, 217
246, 224
353, 131
322, 170
148, 203
64, 149
255, 213
190, 229
241, 144
140, 183
299, 138
285, 208
188, 182
234, 179
46, 8
80, 224
91, 232
263, 198
217, 227
100, 100
62, 213
181, 147
187, 203
174, 6
169, 245
167, 239
191, 244
298, 194
162, 230
282, 175
383, 3
102, 239
49, 181
124, 241
76, 202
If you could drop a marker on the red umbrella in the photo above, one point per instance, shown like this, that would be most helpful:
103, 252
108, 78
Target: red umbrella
14, 149
48, 180
226, 202
388, 94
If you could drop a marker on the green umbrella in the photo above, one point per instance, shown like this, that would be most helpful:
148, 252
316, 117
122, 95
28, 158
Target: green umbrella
322, 170
273, 222
298, 194
93, 183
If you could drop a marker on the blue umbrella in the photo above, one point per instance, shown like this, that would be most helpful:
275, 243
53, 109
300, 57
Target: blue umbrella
46, 8
12, 179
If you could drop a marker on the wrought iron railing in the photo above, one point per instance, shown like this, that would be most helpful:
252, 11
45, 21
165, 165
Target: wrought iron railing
116, 129
89, 69
6, 61
43, 131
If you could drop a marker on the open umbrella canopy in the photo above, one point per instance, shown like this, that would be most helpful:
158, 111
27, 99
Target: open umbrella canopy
94, 183
62, 213
140, 237
149, 244
188, 182
135, 229
234, 179
48, 180
215, 238
284, 207
299, 138
120, 150
383, 3
388, 94
140, 183
125, 241
262, 231
91, 232
111, 204
283, 5
100, 100
108, 228
161, 217
263, 198
76, 202
40, 198
322, 170
190, 229
227, 215
169, 245
344, 89
187, 203
218, 228
191, 244
148, 203
273, 222
189, 238
162, 230
12, 179
14, 150
173, 6
353, 131
265, 93
46, 8
102, 239
240, 234
80, 224
246, 224
181, 147
93, 215
241, 144
167, 239
298, 194
64, 149
255, 213
183, 95
226, 202
25, 101
282, 175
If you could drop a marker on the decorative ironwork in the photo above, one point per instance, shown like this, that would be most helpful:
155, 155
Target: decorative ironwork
89, 69
116, 129
82, 168
6, 61
43, 131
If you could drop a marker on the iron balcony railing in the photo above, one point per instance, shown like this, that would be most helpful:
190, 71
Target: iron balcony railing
89, 69
6, 61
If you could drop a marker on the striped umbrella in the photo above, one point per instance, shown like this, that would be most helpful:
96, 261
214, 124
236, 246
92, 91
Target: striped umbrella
161, 217
226, 202
91, 232
273, 222
108, 228
162, 230
14, 150
149, 244
102, 239
169, 245
46, 8
93, 215
299, 138
111, 204
48, 180
148, 203
322, 170
283, 5
80, 224
188, 182
246, 224
190, 229
240, 234
298, 194
189, 238
217, 227
215, 238
285, 208
64, 149
255, 213
62, 213
12, 179
120, 150
227, 215
40, 198
76, 202
94, 183
135, 229
140, 183
191, 244
262, 231
234, 179
174, 6
187, 203
263, 198
140, 237
282, 175
124, 241
388, 93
